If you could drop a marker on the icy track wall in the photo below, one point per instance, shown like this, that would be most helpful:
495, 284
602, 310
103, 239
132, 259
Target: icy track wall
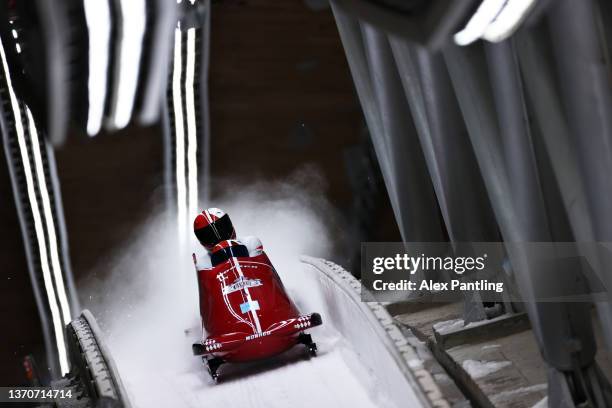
376, 339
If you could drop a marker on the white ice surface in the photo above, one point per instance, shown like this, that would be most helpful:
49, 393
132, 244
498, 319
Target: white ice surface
448, 325
151, 299
478, 369
329, 380
516, 394
543, 403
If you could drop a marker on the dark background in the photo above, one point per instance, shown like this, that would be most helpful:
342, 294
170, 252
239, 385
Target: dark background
281, 97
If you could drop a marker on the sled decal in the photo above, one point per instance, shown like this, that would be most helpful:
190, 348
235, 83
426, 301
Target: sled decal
249, 301
256, 336
241, 283
250, 306
222, 277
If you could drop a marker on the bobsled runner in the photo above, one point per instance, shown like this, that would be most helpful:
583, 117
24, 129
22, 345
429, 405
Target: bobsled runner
245, 310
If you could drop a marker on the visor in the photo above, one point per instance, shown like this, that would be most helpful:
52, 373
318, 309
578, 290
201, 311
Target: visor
220, 230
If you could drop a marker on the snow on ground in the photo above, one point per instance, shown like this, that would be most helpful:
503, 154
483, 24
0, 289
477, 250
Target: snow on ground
478, 369
447, 326
543, 403
512, 395
150, 302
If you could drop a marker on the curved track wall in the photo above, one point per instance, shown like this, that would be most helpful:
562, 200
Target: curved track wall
378, 341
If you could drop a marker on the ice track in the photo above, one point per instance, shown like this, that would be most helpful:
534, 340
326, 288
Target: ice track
150, 300
332, 379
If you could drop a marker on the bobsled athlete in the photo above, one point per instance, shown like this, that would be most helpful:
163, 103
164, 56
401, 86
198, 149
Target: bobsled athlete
212, 227
246, 313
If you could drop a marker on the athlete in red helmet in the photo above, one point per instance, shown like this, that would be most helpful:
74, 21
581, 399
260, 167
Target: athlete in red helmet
216, 233
246, 313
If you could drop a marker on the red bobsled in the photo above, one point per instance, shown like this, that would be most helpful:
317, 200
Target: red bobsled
245, 310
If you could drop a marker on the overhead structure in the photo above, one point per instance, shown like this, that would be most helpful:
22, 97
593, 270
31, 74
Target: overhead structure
81, 65
498, 105
90, 65
186, 114
37, 197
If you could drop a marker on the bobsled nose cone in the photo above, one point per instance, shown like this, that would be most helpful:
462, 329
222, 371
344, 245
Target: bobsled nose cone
315, 319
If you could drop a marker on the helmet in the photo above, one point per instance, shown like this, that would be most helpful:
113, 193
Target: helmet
213, 226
